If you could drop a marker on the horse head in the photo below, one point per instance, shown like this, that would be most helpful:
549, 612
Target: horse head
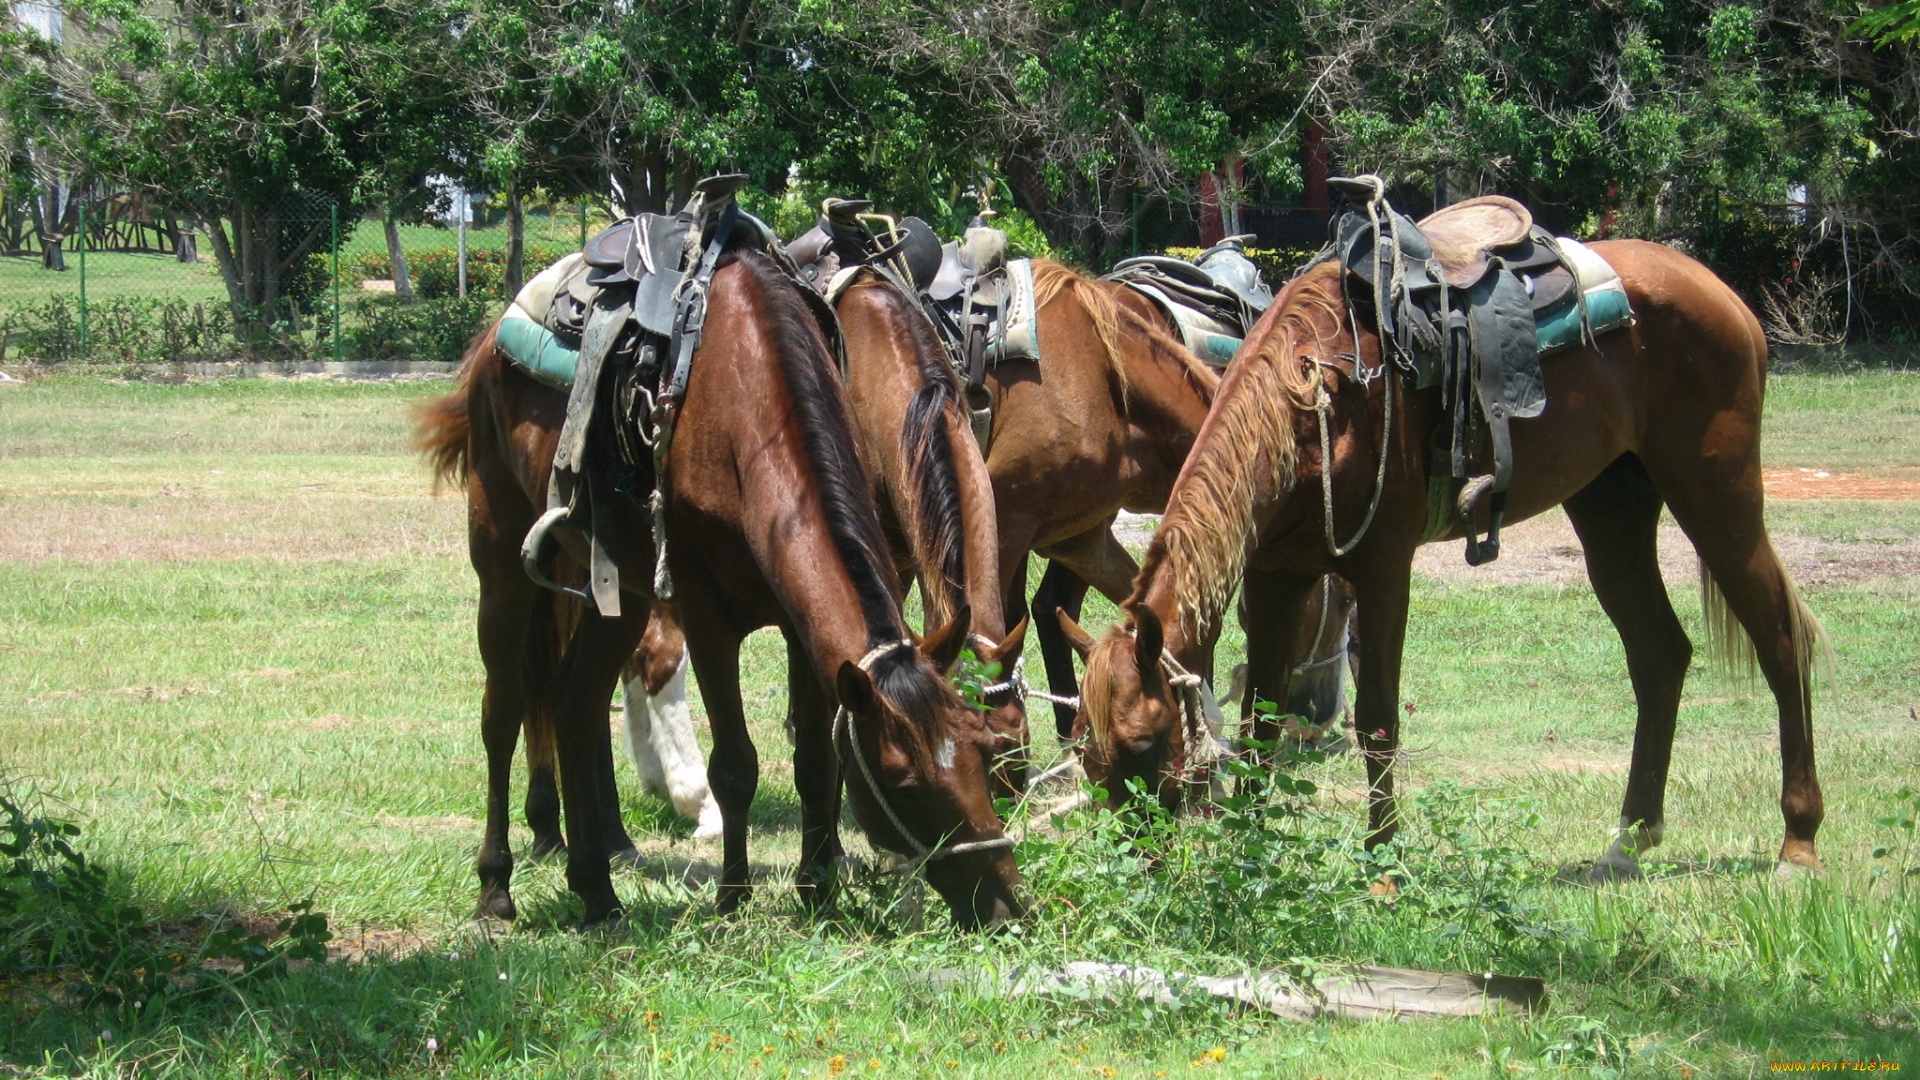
919, 777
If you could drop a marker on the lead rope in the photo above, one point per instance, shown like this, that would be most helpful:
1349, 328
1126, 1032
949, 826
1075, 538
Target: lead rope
1322, 405
923, 853
1320, 631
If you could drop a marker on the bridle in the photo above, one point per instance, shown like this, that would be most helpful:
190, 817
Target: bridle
923, 853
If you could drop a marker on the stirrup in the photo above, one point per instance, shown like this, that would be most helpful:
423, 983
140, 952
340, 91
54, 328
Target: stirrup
1481, 552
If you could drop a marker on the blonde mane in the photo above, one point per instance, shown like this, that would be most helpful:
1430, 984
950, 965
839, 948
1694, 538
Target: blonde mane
1248, 447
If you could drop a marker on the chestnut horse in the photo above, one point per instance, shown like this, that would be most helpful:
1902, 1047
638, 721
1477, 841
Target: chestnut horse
1665, 413
1100, 424
768, 521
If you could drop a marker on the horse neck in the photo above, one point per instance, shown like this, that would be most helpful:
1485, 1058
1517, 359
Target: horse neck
806, 507
940, 484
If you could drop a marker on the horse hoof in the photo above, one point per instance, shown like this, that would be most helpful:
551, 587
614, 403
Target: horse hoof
731, 897
1614, 867
543, 850
1791, 870
497, 904
613, 919
710, 824
626, 858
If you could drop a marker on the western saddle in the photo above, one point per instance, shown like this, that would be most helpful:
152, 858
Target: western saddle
1468, 300
1212, 302
618, 326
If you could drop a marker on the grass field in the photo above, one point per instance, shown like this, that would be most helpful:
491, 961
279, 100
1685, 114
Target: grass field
236, 646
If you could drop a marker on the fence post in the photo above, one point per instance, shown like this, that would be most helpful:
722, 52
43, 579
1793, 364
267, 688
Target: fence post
83, 281
333, 259
465, 201
583, 226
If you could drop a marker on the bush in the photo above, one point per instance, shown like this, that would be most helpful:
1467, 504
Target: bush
435, 272
383, 328
1277, 264
68, 928
131, 329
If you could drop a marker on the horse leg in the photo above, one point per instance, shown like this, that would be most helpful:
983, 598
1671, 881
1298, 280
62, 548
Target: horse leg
1270, 614
1380, 592
1721, 512
1060, 589
733, 768
816, 773
659, 727
1617, 517
507, 607
591, 666
543, 795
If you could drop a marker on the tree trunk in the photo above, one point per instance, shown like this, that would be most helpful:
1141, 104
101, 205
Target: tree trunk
516, 269
45, 225
402, 284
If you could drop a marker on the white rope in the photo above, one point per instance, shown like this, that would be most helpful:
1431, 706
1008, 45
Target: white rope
1320, 631
924, 853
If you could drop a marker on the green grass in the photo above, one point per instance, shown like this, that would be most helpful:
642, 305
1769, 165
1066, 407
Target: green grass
247, 667
111, 274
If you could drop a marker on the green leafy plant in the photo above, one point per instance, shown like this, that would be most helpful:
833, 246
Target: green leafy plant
68, 924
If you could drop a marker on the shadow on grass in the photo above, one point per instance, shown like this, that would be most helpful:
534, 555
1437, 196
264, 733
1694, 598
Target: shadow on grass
1580, 873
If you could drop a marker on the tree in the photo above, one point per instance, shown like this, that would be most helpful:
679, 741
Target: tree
1089, 108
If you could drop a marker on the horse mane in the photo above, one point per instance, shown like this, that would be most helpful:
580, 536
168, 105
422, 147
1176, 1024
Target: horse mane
1100, 300
1208, 530
442, 427
819, 408
927, 441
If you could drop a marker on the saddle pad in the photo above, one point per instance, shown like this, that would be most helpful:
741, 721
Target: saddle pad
1206, 337
1018, 336
534, 348
535, 299
1607, 306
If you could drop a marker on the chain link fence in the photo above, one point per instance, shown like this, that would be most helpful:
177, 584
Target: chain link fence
291, 280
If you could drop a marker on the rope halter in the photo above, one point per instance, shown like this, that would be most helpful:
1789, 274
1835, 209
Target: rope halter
1016, 681
923, 853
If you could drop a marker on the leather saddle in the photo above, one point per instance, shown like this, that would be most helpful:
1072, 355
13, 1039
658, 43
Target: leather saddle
1212, 302
633, 305
1455, 299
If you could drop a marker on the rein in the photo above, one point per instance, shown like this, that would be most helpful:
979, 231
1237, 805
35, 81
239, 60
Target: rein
923, 853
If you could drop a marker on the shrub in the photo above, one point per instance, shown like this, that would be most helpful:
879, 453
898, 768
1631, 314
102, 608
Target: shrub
435, 272
68, 927
1277, 264
383, 328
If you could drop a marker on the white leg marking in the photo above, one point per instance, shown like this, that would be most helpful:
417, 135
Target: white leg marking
683, 768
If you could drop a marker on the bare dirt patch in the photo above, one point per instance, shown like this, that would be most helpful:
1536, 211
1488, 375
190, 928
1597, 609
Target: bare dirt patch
1806, 483
1545, 551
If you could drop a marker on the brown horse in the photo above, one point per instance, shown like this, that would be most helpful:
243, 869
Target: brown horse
769, 521
1100, 424
1664, 413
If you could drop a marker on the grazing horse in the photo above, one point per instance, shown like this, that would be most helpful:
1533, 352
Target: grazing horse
768, 521
1665, 413
1101, 424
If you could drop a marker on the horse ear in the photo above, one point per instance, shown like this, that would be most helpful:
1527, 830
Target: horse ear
1012, 644
854, 688
1081, 641
1149, 640
943, 645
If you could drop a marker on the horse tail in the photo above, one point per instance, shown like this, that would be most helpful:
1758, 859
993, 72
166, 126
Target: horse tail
1730, 649
1050, 279
443, 426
